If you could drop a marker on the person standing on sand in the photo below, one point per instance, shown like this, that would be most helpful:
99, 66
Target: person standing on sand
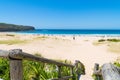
79, 69
73, 37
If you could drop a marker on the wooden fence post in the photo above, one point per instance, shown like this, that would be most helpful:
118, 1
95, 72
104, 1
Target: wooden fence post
16, 72
16, 69
79, 69
97, 72
72, 72
59, 72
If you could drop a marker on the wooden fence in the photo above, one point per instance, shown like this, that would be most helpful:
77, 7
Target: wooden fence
16, 56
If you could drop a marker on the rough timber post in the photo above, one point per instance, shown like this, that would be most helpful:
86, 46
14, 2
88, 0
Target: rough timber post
59, 72
72, 72
16, 69
97, 72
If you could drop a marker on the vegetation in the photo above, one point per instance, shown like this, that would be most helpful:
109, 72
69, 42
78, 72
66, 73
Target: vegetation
106, 41
97, 77
11, 42
13, 27
41, 37
114, 47
33, 70
110, 40
101, 40
117, 62
113, 40
4, 69
11, 35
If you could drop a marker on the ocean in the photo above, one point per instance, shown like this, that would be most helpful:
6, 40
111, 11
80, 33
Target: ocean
72, 32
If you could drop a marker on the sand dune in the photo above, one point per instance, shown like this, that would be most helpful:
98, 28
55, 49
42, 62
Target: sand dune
64, 47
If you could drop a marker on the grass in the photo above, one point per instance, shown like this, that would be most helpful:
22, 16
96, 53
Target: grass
101, 40
113, 40
41, 37
11, 35
116, 63
109, 40
96, 43
97, 77
34, 70
11, 42
104, 41
114, 47
4, 69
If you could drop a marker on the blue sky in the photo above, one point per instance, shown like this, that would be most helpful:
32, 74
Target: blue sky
62, 14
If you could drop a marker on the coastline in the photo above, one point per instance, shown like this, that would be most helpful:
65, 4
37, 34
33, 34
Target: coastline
65, 47
61, 34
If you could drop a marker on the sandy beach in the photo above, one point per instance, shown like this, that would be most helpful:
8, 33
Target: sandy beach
84, 48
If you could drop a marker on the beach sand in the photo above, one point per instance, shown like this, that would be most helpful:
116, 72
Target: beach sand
64, 47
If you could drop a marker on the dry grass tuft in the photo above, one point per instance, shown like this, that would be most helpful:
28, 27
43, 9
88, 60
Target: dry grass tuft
11, 42
114, 47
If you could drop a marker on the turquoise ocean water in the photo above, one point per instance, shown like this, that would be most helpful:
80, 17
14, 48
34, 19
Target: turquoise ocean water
72, 32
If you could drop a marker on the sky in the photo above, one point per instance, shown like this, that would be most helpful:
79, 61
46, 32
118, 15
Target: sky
62, 14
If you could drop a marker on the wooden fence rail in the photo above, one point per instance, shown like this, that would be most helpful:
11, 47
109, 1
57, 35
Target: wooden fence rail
16, 69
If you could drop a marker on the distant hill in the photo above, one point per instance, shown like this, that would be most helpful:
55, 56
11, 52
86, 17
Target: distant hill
13, 27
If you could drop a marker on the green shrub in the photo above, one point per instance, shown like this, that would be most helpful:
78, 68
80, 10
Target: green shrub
34, 70
4, 69
111, 40
117, 64
114, 40
101, 40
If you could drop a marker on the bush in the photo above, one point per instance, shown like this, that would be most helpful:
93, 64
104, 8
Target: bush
117, 64
33, 70
114, 40
101, 40
4, 69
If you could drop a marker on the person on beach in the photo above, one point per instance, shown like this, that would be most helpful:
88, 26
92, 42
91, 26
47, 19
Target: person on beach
73, 37
79, 69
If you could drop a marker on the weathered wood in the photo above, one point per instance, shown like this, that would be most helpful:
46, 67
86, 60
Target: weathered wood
4, 53
59, 72
79, 69
16, 69
72, 72
15, 54
97, 70
110, 72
